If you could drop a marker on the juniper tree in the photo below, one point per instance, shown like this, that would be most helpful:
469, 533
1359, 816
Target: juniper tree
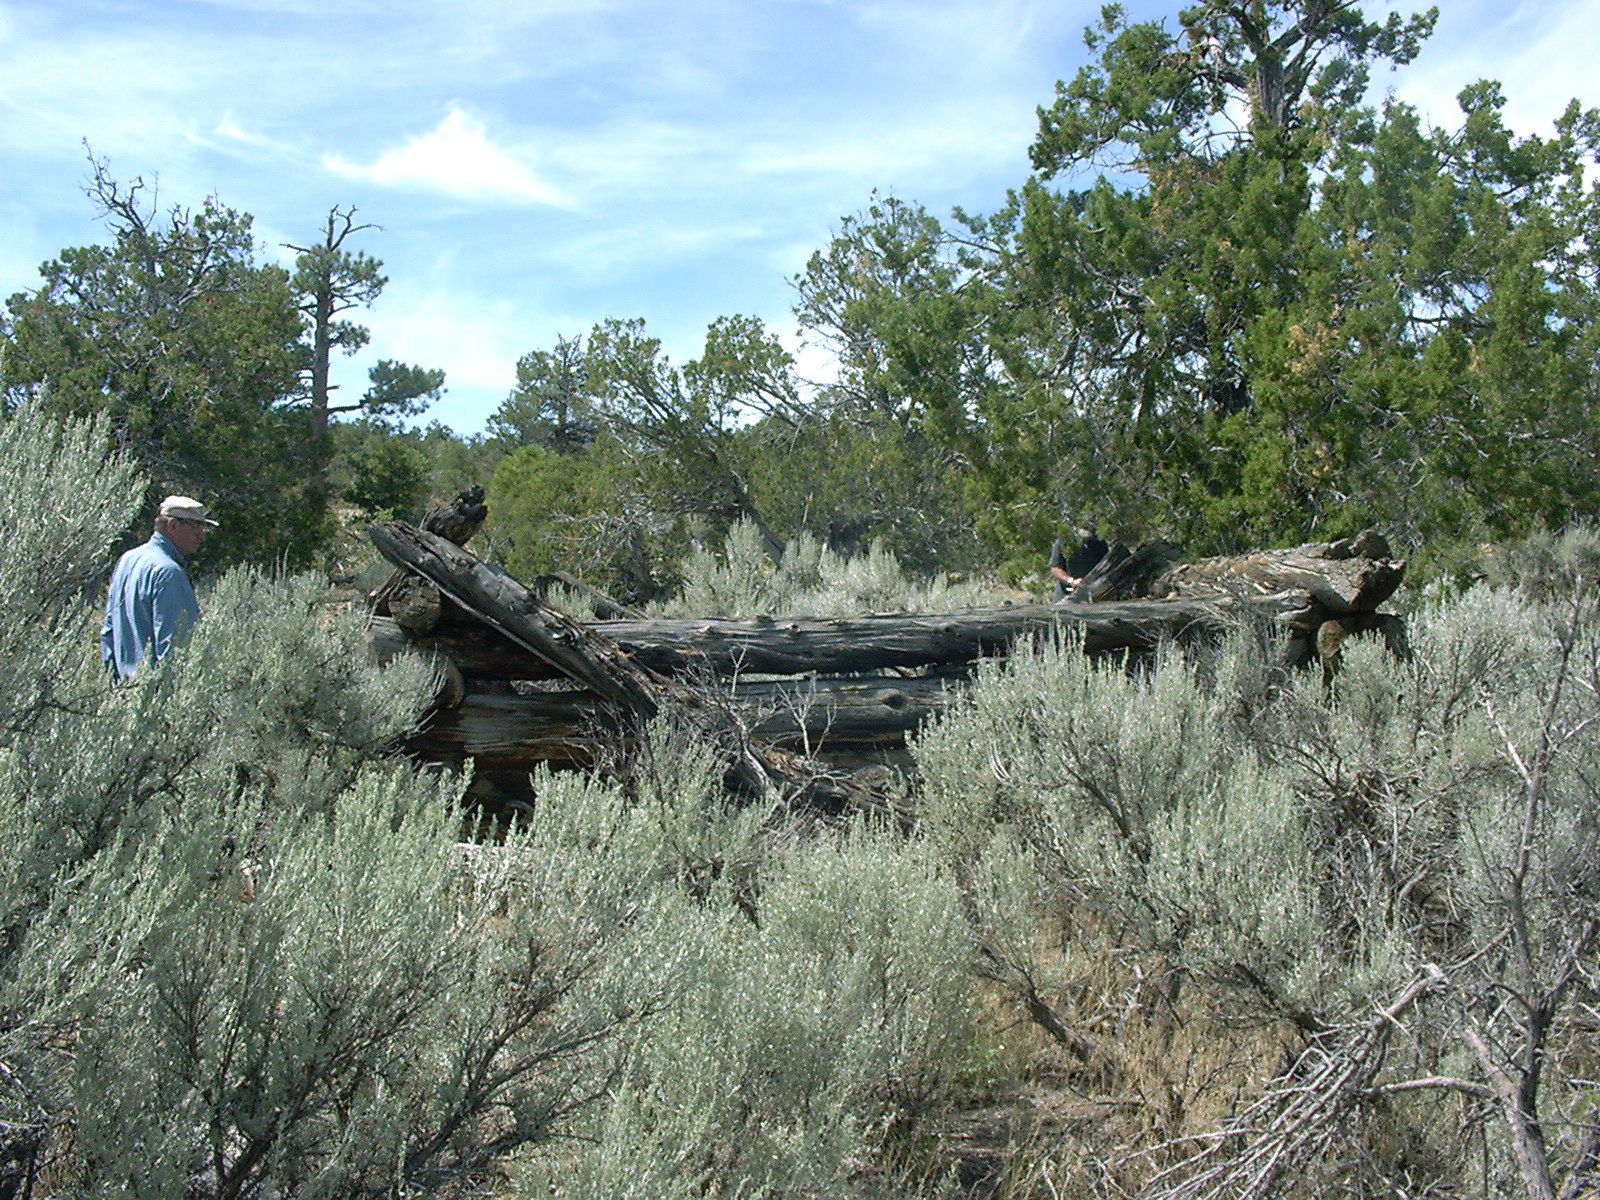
1237, 301
190, 347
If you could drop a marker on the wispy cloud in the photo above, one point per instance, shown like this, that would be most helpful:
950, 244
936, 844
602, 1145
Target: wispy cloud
458, 159
1531, 49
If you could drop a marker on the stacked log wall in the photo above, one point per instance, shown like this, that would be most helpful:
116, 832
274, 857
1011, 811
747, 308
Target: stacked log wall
526, 684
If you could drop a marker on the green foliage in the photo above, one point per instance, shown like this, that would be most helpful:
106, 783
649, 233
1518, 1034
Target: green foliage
328, 281
456, 462
1330, 317
853, 483
191, 349
552, 405
832, 1028
242, 953
201, 358
399, 388
580, 512
388, 476
722, 438
684, 424
1548, 565
379, 466
1140, 797
239, 954
633, 446
1263, 848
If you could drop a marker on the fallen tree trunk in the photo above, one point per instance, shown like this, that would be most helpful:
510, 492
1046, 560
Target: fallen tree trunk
1318, 580
847, 645
474, 648
833, 645
575, 727
499, 600
1353, 575
490, 626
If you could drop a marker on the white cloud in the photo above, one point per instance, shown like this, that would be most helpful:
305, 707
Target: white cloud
229, 129
459, 159
475, 342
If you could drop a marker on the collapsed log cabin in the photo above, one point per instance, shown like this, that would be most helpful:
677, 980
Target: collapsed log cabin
523, 683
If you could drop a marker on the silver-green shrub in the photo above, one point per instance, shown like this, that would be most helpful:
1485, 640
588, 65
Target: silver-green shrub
741, 580
1279, 850
1136, 795
242, 953
801, 1047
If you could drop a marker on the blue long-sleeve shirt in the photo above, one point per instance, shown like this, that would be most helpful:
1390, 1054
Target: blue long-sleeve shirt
150, 606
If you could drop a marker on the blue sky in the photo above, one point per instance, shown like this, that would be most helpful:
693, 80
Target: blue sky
536, 166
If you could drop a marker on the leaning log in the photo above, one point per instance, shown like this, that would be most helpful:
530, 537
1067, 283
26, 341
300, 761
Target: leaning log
500, 601
1122, 574
455, 521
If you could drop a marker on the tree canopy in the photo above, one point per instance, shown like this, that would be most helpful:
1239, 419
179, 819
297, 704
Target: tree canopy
192, 349
1237, 302
212, 365
1277, 311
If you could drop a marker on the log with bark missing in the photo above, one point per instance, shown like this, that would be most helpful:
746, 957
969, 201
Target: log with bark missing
847, 682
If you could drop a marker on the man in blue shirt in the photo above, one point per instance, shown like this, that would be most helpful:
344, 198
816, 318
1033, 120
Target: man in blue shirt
150, 606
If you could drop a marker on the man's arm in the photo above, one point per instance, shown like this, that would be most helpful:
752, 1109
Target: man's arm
175, 611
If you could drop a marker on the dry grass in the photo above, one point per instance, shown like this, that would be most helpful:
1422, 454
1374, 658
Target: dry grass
1170, 1060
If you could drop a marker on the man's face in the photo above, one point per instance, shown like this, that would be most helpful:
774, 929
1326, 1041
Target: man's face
186, 535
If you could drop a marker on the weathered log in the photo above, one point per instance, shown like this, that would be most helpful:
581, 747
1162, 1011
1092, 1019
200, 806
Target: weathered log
846, 645
1348, 576
1312, 582
477, 650
834, 713
518, 732
832, 645
595, 662
1125, 575
501, 601
857, 645
415, 605
574, 727
456, 522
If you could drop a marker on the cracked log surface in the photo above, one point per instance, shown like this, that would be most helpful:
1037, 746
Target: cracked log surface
501, 602
827, 645
572, 727
1353, 575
